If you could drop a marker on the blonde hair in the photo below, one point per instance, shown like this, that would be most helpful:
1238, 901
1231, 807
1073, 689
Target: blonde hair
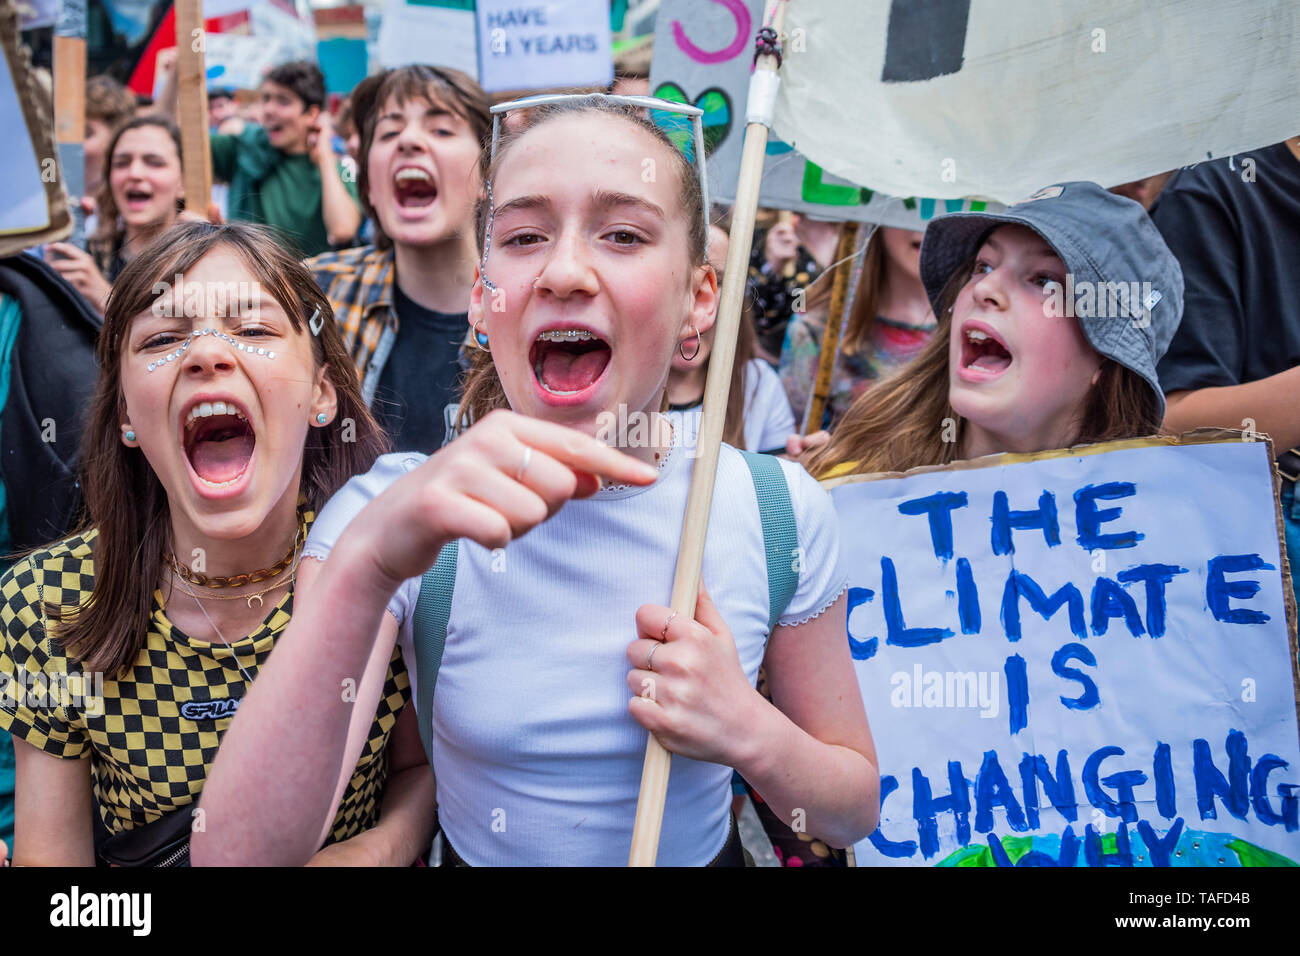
906, 420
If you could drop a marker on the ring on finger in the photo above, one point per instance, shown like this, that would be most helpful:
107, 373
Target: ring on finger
523, 465
664, 632
649, 660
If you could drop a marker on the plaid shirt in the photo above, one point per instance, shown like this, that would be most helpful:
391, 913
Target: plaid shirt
359, 285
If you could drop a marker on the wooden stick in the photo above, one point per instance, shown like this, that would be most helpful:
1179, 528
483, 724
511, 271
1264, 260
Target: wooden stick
690, 558
834, 324
69, 72
192, 105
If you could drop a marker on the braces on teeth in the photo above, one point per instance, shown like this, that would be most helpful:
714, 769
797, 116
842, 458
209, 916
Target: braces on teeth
173, 356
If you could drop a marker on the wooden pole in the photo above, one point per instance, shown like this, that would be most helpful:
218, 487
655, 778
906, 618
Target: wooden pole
69, 62
834, 324
192, 105
690, 557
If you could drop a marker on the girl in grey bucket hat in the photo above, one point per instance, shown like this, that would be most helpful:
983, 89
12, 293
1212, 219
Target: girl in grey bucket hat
1052, 316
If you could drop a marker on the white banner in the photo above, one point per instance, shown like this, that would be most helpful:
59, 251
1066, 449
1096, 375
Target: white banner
703, 54
996, 98
1082, 659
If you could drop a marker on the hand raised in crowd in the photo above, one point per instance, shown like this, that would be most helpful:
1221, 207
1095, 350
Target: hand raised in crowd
79, 268
780, 246
796, 446
321, 140
692, 694
504, 476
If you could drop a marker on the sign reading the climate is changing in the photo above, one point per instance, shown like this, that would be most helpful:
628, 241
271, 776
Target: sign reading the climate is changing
1080, 659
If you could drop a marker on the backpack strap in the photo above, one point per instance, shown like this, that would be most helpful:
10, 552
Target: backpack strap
780, 533
432, 611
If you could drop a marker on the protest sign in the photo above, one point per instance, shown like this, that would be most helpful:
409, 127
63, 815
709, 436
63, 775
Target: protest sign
542, 45
33, 209
1078, 658
436, 32
950, 98
703, 54
239, 62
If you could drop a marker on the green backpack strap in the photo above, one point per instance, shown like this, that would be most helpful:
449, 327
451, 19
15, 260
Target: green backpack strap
432, 611
780, 534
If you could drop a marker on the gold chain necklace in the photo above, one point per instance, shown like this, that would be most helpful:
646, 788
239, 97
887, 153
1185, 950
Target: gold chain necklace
247, 597
240, 580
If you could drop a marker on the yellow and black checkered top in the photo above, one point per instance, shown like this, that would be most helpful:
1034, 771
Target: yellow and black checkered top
154, 735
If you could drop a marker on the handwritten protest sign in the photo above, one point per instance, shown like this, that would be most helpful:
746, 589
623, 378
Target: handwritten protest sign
518, 45
703, 53
536, 45
33, 208
1079, 659
951, 98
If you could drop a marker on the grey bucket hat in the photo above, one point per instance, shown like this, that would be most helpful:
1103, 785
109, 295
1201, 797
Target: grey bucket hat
1123, 284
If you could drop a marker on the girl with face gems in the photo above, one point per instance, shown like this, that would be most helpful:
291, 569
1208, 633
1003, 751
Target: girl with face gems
226, 414
559, 653
1052, 316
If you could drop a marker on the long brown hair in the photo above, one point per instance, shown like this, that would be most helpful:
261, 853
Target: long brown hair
906, 420
109, 230
483, 392
124, 500
733, 426
866, 300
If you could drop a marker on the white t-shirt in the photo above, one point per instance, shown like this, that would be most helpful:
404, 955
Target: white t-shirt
768, 418
537, 758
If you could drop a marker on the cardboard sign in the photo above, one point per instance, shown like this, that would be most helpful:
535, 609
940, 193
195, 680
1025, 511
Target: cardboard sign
33, 209
703, 54
542, 45
439, 34
1079, 658
952, 98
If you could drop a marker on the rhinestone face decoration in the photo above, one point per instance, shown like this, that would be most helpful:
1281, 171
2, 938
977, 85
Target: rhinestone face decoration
240, 346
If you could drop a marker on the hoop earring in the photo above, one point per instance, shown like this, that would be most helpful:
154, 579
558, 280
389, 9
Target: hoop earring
481, 340
682, 352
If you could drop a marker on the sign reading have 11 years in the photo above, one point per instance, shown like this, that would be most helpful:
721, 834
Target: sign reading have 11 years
1081, 659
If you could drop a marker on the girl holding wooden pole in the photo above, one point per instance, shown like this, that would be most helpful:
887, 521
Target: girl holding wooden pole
560, 653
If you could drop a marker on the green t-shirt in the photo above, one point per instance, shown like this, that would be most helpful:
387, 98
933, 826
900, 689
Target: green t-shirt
275, 188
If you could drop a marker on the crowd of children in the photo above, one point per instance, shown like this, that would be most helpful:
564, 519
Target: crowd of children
396, 432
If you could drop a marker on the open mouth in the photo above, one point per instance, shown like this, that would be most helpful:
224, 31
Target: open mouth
567, 362
414, 188
982, 350
138, 196
218, 441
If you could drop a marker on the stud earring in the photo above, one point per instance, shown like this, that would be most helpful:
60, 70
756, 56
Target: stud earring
322, 418
130, 435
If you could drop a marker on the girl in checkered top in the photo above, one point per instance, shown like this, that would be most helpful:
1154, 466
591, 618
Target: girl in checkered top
226, 414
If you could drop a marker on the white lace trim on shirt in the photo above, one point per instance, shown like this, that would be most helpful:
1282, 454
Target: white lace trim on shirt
844, 586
